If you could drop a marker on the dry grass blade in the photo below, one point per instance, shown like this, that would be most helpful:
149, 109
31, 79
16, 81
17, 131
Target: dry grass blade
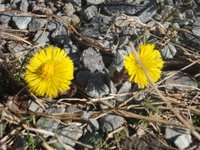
15, 37
167, 102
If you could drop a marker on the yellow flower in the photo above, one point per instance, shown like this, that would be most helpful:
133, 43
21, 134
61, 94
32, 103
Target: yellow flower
49, 72
152, 61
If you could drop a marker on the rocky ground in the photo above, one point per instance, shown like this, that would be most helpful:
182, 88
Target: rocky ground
102, 110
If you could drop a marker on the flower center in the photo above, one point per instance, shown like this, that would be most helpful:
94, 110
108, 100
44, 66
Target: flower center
47, 70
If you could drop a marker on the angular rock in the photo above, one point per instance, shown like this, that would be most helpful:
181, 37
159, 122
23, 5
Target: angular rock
96, 88
93, 125
41, 37
183, 141
196, 31
70, 134
20, 143
21, 21
111, 122
92, 60
94, 84
98, 25
34, 107
90, 12
168, 51
118, 61
181, 82
125, 88
94, 2
148, 13
50, 124
36, 24
77, 4
24, 5
60, 36
5, 18
68, 9
181, 137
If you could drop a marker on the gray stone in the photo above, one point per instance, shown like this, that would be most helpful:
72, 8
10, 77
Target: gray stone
52, 25
5, 18
34, 107
95, 2
181, 137
126, 87
181, 82
24, 5
68, 9
41, 37
36, 24
90, 12
92, 60
168, 51
48, 124
96, 88
75, 19
196, 31
94, 84
108, 104
77, 4
111, 122
184, 22
21, 21
118, 61
148, 13
2, 7
60, 36
98, 25
183, 141
73, 109
20, 143
93, 125
69, 134
56, 110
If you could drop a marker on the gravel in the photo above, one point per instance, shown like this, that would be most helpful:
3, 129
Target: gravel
96, 36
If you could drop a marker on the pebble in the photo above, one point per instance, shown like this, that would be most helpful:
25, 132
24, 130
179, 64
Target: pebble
94, 2
148, 13
196, 31
92, 60
5, 18
69, 134
111, 122
181, 82
93, 83
60, 36
41, 37
68, 9
90, 12
20, 143
34, 107
21, 21
36, 24
125, 88
50, 124
168, 51
118, 61
181, 137
96, 88
24, 5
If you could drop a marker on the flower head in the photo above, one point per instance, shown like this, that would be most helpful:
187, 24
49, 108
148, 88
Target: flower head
49, 72
152, 61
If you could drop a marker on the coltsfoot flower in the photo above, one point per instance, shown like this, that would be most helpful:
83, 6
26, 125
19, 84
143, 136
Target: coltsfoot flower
152, 61
49, 72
